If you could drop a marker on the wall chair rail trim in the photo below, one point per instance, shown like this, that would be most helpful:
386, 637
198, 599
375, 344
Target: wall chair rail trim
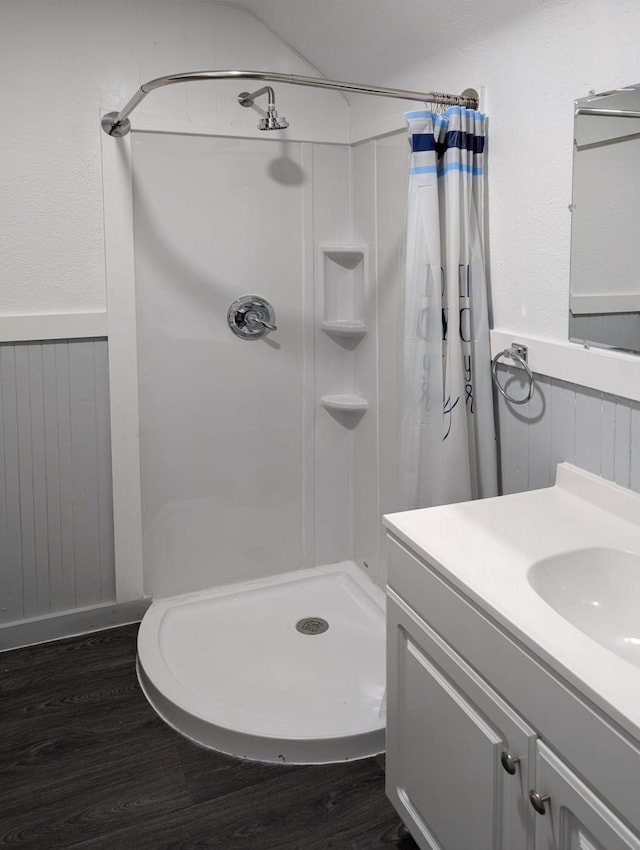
28, 327
614, 372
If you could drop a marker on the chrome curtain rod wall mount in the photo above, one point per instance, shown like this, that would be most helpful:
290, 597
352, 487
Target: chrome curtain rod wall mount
115, 127
117, 123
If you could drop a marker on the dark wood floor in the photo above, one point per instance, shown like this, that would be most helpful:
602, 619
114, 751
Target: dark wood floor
86, 763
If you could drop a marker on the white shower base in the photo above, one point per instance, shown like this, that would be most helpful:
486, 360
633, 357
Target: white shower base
228, 669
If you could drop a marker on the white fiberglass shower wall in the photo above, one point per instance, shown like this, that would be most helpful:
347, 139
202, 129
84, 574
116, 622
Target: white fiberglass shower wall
258, 458
245, 474
264, 457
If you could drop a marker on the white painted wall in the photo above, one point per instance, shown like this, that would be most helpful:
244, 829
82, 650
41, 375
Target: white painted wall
64, 63
60, 62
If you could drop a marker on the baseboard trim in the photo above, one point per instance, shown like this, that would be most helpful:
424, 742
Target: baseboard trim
71, 623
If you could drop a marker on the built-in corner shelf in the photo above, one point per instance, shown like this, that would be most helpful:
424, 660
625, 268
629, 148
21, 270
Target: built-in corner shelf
344, 327
343, 270
348, 402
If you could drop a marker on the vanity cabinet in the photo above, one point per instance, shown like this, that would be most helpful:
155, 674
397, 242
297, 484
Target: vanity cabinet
475, 723
457, 755
574, 817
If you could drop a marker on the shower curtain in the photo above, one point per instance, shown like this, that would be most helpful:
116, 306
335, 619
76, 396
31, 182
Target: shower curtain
448, 444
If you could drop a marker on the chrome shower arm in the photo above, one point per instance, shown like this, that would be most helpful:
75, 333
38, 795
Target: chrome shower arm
246, 98
272, 121
117, 123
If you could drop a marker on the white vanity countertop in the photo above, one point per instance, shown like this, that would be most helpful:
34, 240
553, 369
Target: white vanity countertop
486, 547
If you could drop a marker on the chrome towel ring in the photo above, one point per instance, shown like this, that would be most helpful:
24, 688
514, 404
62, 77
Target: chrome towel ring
518, 353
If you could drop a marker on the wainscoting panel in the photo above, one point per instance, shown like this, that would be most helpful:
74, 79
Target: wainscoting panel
56, 512
565, 422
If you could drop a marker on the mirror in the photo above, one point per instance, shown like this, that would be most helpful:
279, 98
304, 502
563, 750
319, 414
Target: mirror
604, 297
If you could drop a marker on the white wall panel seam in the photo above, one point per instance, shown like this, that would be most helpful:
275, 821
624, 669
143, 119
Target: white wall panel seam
375, 284
308, 348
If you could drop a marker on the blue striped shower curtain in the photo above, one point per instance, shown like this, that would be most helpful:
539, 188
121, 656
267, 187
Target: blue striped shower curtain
448, 444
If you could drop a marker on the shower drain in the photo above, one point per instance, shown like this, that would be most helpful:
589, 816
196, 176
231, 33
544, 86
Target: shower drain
312, 625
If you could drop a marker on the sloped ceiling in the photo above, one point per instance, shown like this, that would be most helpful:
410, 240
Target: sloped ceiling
381, 41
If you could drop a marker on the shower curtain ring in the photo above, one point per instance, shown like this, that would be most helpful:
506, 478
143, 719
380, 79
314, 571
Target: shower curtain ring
518, 353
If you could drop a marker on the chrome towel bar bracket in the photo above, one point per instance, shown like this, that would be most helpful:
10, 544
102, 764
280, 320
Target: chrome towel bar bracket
519, 353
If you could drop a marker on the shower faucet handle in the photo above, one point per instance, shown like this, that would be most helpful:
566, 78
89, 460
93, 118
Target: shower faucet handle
251, 317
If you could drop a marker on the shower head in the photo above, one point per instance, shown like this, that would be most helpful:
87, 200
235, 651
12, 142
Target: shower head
272, 121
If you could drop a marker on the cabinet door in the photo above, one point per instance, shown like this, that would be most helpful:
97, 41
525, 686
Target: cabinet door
447, 731
575, 818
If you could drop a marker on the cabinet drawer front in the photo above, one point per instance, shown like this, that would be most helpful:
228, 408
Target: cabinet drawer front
576, 819
446, 734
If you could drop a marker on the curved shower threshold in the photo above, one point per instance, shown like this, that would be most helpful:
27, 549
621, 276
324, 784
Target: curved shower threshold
228, 668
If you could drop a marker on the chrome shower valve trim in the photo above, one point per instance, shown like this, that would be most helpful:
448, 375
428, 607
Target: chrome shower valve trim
251, 317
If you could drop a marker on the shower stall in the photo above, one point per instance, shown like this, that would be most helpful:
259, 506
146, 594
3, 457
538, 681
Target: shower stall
266, 302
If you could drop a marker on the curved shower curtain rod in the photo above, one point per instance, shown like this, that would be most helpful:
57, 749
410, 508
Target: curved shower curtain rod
117, 123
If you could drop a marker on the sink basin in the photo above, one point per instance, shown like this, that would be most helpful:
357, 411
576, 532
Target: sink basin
597, 591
